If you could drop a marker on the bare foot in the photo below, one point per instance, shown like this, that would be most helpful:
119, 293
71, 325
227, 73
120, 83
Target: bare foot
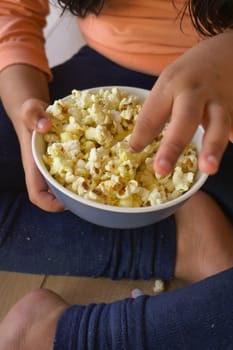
31, 323
204, 239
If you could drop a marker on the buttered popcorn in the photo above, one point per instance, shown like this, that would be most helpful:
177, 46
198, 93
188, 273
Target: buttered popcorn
87, 152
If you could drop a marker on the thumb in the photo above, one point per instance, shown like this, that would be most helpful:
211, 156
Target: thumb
34, 115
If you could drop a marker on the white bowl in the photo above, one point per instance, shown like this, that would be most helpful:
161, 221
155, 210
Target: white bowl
113, 216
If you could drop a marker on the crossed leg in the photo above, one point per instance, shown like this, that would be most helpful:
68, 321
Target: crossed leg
204, 248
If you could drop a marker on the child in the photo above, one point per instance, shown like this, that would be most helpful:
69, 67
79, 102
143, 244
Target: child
129, 43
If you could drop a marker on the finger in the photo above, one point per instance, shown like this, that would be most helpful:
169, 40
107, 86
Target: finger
231, 129
215, 139
40, 194
34, 115
154, 114
186, 115
37, 187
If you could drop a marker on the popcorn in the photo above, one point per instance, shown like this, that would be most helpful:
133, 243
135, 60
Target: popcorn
100, 134
87, 152
159, 286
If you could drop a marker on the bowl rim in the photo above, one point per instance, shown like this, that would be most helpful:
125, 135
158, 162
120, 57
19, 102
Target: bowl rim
91, 203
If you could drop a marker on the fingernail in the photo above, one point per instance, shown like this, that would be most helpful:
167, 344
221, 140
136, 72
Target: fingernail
212, 159
165, 164
41, 123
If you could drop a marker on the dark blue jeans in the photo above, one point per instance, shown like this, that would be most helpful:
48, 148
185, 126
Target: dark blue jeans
34, 241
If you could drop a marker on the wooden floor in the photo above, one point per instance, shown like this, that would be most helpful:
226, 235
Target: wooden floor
75, 290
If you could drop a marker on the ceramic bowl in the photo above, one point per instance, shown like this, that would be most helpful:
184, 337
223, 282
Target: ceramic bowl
113, 216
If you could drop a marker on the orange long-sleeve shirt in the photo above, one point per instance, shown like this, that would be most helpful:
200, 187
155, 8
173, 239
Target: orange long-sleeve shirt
21, 33
142, 35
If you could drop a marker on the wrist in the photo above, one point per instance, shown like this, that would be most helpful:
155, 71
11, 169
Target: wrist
19, 83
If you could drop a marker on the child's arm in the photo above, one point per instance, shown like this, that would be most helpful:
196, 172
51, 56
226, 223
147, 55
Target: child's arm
196, 88
24, 84
21, 33
24, 93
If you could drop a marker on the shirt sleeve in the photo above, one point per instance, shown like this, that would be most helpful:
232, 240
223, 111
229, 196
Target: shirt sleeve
21, 33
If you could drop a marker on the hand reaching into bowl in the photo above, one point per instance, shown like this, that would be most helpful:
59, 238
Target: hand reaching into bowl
195, 89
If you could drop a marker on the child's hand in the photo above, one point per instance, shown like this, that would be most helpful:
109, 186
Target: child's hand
34, 117
195, 89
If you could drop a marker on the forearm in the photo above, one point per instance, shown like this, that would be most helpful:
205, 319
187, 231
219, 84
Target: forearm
19, 83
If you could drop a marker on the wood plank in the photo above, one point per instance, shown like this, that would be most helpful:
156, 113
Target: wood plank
13, 286
82, 290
